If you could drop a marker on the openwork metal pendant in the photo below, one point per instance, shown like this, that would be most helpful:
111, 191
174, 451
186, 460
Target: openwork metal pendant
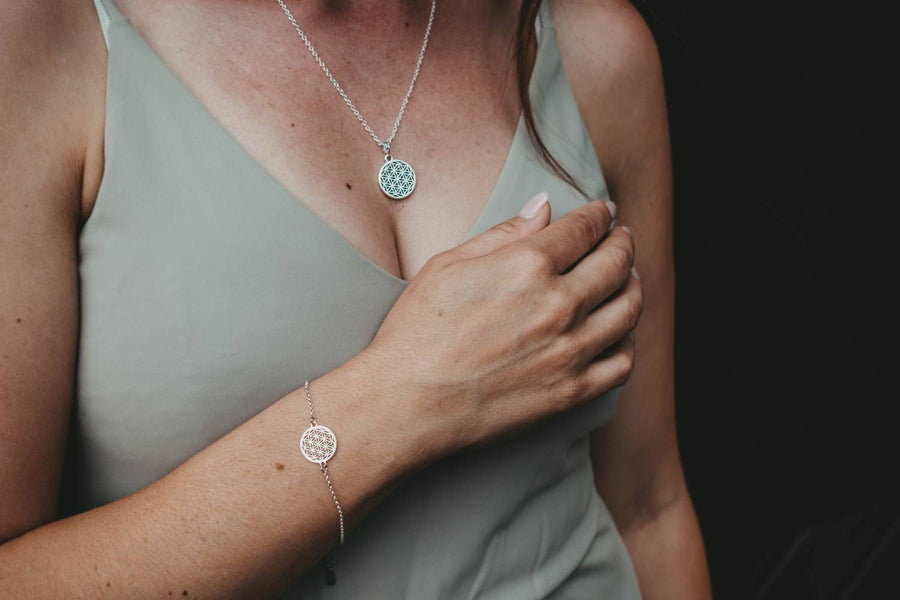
396, 178
318, 444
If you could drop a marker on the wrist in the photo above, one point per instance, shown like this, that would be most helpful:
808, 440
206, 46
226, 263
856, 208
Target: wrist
385, 416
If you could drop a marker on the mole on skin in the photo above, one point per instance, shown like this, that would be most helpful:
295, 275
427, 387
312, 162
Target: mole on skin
279, 466
349, 187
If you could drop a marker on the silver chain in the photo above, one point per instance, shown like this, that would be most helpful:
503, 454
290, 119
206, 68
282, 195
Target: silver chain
323, 465
385, 144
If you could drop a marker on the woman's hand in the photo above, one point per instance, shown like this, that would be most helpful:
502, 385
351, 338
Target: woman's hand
514, 325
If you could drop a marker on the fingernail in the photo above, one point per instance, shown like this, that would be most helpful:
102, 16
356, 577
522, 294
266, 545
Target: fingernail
611, 207
627, 230
533, 206
634, 272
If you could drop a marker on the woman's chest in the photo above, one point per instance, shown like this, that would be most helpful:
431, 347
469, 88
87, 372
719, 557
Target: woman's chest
265, 89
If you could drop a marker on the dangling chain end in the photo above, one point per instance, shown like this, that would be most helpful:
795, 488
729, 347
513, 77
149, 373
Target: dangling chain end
330, 576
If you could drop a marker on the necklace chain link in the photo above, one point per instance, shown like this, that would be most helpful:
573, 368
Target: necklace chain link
384, 144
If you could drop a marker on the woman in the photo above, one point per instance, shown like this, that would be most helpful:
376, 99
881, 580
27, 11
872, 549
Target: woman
193, 228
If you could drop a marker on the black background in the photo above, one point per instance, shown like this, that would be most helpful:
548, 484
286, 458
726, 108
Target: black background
783, 132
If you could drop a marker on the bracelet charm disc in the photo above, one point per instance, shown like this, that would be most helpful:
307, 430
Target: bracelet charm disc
318, 444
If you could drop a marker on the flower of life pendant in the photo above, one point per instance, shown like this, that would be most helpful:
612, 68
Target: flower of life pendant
395, 178
318, 444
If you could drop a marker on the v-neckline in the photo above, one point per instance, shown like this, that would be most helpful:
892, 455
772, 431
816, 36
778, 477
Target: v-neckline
297, 202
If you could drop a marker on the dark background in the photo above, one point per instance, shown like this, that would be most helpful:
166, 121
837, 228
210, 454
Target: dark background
783, 133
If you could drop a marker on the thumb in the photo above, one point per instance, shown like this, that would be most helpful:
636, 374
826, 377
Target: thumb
533, 217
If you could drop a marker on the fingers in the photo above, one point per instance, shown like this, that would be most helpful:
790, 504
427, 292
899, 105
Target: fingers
535, 216
603, 271
609, 371
572, 235
610, 321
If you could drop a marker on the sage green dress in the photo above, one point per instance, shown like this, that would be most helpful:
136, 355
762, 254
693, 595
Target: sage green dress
208, 292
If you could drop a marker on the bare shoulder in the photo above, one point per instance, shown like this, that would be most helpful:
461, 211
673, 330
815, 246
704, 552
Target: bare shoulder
608, 37
52, 77
613, 67
50, 47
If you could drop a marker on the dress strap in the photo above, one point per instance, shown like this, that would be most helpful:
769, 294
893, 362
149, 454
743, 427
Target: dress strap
543, 20
108, 13
537, 23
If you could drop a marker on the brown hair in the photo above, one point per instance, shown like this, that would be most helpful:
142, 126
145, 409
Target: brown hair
525, 40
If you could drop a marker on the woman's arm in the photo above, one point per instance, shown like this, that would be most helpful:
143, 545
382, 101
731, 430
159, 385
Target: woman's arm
240, 519
614, 65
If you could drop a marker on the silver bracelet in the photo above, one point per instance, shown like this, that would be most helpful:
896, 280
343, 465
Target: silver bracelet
318, 444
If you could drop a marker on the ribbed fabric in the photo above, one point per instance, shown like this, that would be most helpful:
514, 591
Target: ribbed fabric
208, 292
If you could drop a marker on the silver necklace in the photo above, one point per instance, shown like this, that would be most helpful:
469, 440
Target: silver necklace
396, 177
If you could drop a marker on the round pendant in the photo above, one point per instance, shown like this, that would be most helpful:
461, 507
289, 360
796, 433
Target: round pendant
396, 178
318, 444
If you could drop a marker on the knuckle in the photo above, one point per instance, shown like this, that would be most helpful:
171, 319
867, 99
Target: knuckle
561, 307
633, 309
586, 227
506, 228
623, 365
620, 258
572, 390
438, 261
568, 351
531, 259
